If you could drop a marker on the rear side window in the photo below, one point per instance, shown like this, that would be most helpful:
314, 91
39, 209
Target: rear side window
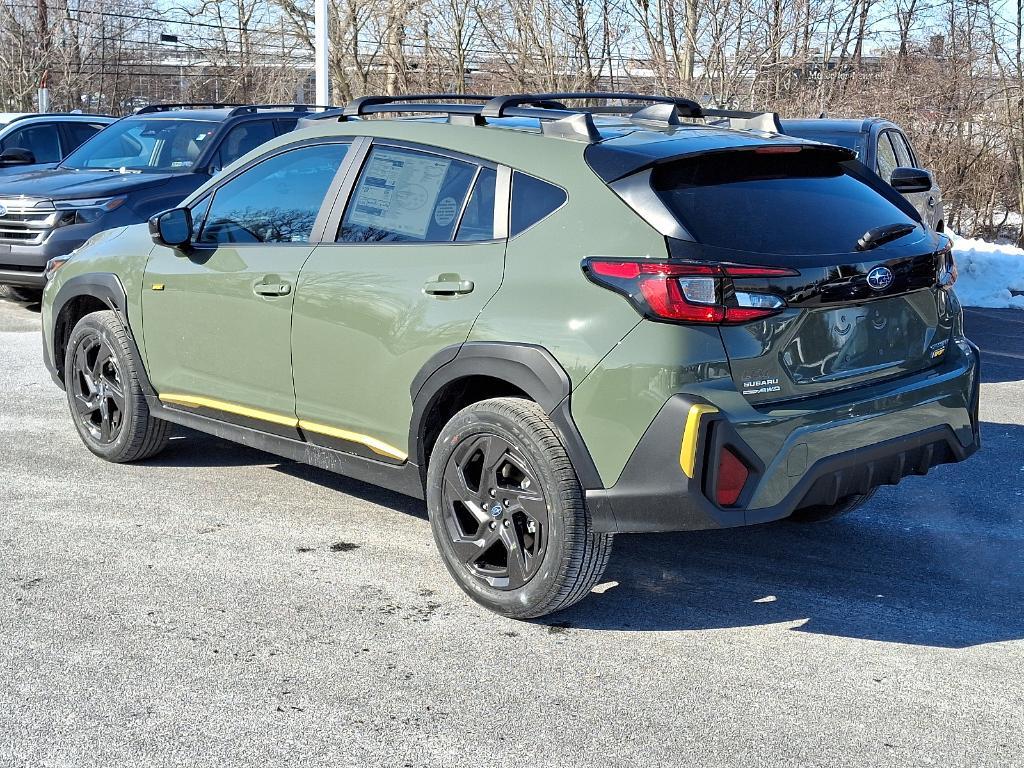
276, 201
243, 139
79, 133
794, 203
532, 200
478, 219
404, 195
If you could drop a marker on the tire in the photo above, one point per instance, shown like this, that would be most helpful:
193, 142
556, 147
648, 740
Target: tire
23, 295
823, 512
499, 480
107, 403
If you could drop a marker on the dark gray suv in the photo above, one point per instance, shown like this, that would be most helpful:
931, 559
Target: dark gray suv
140, 165
884, 148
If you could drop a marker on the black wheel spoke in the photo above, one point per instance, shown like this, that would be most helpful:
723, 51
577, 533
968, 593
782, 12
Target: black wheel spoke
517, 569
497, 529
85, 405
102, 357
83, 368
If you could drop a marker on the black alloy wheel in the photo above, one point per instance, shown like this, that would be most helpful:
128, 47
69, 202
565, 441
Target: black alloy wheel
495, 512
97, 389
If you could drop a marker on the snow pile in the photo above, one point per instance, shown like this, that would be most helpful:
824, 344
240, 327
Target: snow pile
989, 274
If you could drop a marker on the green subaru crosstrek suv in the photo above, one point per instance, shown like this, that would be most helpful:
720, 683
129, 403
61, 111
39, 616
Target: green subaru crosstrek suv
552, 324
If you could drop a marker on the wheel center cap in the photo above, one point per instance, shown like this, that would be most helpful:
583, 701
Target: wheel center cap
496, 510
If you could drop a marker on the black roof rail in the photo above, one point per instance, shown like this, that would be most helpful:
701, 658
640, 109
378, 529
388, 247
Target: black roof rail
361, 105
750, 121
499, 106
299, 108
57, 114
151, 108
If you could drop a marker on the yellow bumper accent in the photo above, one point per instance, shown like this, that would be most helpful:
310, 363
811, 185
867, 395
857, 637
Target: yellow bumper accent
375, 445
688, 448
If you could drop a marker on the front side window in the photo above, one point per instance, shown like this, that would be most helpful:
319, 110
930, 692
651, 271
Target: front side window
144, 145
404, 195
886, 160
276, 201
903, 153
532, 200
40, 140
806, 202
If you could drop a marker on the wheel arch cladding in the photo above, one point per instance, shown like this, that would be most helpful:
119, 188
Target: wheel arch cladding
460, 375
79, 296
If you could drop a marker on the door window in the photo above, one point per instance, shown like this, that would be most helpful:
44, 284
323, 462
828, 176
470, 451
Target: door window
404, 195
903, 153
886, 157
79, 133
532, 200
478, 219
276, 201
243, 139
40, 140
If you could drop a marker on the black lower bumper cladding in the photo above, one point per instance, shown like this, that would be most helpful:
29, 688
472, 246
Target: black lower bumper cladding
650, 496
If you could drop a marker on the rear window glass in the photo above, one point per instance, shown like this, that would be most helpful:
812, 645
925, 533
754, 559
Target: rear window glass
795, 203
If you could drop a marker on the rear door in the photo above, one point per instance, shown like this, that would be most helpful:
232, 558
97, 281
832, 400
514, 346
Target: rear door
217, 316
418, 250
856, 311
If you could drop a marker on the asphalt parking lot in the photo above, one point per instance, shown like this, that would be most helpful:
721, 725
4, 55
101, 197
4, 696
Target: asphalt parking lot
219, 607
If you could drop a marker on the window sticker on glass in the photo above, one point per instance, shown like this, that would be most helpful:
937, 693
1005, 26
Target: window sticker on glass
398, 192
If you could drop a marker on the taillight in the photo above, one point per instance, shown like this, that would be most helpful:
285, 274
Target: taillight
947, 273
732, 476
687, 292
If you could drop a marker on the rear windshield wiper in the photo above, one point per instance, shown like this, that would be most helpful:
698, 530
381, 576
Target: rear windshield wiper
886, 233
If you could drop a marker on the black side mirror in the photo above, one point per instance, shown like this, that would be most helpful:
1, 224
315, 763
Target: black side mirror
906, 180
172, 228
16, 156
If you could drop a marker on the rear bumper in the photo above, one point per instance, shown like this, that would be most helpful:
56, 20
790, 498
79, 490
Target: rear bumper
804, 454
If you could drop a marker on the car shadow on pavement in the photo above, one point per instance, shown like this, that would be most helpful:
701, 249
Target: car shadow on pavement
936, 561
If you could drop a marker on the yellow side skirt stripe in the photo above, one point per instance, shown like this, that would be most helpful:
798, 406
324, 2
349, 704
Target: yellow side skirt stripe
688, 448
375, 445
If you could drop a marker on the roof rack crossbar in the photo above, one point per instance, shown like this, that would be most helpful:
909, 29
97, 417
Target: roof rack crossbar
149, 108
573, 124
499, 106
359, 106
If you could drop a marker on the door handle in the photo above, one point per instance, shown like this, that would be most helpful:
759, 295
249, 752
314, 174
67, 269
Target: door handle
448, 285
272, 289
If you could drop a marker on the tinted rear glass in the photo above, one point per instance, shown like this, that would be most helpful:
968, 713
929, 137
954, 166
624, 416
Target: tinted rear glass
804, 202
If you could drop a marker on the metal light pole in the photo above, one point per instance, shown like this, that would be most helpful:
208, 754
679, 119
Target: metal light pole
321, 44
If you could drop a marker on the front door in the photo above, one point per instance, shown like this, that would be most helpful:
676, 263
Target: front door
418, 253
217, 316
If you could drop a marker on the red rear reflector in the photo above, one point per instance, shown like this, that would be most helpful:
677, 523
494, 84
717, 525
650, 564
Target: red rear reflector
778, 150
735, 270
732, 476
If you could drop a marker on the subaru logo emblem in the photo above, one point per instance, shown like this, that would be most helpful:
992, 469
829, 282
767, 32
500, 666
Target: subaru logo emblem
3, 210
880, 278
